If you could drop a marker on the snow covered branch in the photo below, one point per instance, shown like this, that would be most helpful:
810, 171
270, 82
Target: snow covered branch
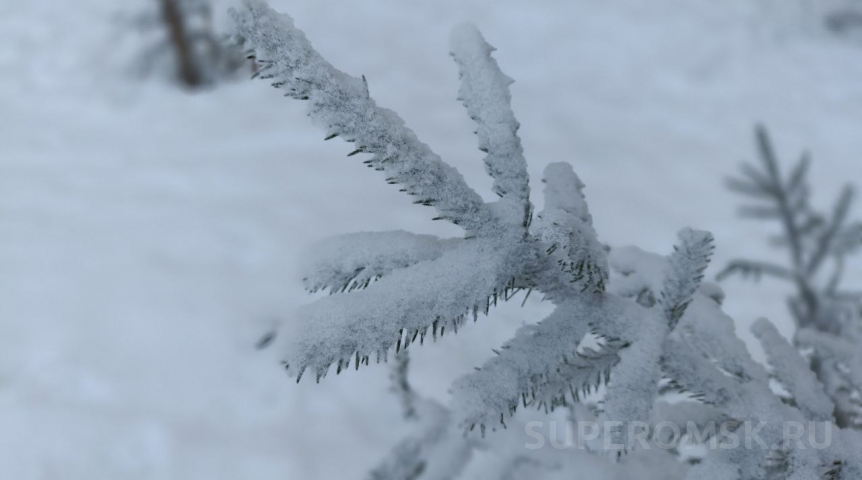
793, 372
686, 266
403, 307
352, 261
566, 227
654, 322
838, 363
532, 366
485, 92
719, 371
341, 104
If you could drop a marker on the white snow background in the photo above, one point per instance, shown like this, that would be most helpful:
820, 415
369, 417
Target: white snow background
149, 237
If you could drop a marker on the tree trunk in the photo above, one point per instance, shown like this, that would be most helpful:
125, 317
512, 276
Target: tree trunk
173, 18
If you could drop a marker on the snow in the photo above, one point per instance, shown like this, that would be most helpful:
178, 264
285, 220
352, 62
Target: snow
148, 237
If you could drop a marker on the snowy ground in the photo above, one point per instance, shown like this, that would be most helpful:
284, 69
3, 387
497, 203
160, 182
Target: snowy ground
148, 237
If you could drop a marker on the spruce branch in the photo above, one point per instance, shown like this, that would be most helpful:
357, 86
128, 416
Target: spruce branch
401, 384
768, 184
685, 272
826, 239
793, 372
815, 240
485, 92
754, 269
436, 450
707, 356
406, 306
839, 364
353, 261
522, 365
423, 285
404, 462
340, 104
811, 237
693, 372
566, 227
634, 380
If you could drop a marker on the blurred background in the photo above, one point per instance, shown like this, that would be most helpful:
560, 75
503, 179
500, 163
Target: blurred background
150, 232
